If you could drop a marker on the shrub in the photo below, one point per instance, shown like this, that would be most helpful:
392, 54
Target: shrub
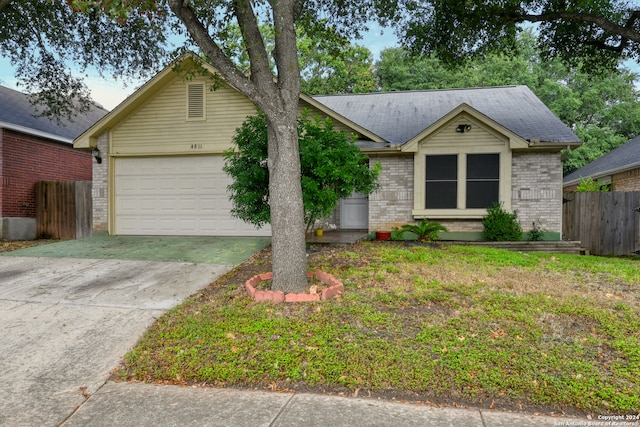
332, 168
588, 185
536, 233
500, 225
397, 234
426, 231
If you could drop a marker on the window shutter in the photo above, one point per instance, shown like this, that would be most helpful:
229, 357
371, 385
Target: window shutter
195, 103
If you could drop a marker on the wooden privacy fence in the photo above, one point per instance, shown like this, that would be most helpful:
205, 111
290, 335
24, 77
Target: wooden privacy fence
605, 223
63, 209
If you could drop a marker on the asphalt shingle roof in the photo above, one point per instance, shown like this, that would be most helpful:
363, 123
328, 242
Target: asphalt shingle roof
625, 156
399, 116
16, 109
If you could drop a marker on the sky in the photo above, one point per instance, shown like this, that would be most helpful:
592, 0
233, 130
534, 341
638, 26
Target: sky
110, 92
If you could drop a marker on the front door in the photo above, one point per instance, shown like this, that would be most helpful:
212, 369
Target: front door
354, 212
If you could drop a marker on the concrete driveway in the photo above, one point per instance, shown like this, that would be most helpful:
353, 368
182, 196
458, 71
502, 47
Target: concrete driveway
67, 317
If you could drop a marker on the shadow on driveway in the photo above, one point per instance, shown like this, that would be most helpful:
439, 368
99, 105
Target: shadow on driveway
202, 250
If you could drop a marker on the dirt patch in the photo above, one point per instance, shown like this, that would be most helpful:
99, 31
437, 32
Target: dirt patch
14, 245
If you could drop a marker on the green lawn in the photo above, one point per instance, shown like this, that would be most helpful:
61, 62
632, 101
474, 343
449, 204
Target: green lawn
457, 325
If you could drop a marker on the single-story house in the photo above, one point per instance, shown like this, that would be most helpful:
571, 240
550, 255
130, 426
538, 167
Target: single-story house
445, 155
620, 168
32, 149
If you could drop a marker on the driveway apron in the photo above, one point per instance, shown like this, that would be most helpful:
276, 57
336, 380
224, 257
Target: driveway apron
67, 317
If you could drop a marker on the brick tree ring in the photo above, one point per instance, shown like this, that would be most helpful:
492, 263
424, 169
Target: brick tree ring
334, 288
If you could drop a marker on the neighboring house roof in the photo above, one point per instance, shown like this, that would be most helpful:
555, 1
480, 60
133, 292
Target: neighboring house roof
400, 116
18, 114
620, 159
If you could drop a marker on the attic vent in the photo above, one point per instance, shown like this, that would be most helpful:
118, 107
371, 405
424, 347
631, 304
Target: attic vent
195, 101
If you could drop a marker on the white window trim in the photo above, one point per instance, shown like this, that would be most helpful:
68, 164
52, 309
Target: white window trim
204, 101
419, 185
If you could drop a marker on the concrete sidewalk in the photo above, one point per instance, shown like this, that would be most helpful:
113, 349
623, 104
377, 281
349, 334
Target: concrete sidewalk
147, 405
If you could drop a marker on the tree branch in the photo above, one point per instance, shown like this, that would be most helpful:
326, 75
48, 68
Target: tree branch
627, 31
253, 42
222, 63
286, 53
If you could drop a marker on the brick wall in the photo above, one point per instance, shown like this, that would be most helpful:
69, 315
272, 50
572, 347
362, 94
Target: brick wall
99, 191
627, 181
536, 193
392, 204
537, 190
623, 181
28, 159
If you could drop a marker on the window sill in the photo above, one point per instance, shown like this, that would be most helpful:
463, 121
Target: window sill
449, 213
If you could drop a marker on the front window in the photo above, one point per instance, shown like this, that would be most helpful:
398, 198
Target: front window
462, 181
442, 182
483, 180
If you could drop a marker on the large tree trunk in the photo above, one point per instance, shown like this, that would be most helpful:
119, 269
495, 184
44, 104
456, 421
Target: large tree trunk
278, 98
285, 199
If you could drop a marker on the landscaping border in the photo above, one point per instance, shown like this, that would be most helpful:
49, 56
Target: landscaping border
335, 288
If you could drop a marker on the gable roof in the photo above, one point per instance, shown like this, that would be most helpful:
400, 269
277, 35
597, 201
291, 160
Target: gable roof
515, 141
387, 119
18, 114
624, 157
400, 116
147, 90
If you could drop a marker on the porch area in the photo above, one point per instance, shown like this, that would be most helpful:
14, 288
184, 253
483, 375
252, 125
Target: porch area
338, 237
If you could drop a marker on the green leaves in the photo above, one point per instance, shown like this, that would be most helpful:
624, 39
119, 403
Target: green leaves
332, 168
52, 43
500, 225
425, 230
592, 34
603, 110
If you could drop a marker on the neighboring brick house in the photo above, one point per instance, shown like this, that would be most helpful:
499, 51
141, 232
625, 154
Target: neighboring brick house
620, 168
35, 149
446, 155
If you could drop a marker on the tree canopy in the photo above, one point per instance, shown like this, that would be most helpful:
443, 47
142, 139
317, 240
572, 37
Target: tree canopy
51, 45
329, 63
591, 33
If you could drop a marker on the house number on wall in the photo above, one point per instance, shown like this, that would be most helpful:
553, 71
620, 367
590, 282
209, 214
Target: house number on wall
196, 146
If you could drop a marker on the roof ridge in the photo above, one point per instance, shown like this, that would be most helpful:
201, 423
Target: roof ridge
392, 92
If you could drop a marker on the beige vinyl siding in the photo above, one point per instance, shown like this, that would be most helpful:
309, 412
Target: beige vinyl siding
475, 139
446, 140
161, 126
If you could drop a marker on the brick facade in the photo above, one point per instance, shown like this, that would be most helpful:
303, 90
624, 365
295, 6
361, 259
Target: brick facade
537, 190
623, 181
626, 181
100, 191
391, 205
536, 193
25, 160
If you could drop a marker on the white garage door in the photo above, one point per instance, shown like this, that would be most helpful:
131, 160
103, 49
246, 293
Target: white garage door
175, 196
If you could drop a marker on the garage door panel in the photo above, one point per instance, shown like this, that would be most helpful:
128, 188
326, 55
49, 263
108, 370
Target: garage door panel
175, 196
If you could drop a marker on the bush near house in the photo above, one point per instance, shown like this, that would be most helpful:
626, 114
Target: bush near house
500, 225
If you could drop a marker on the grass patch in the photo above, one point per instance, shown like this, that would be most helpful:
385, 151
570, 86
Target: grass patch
468, 325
